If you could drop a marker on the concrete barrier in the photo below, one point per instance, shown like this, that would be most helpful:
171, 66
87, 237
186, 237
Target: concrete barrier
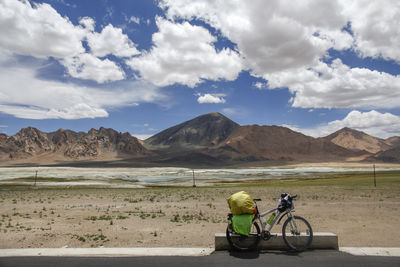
105, 252
320, 241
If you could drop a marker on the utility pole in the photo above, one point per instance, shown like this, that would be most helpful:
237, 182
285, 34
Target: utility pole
194, 181
374, 176
35, 178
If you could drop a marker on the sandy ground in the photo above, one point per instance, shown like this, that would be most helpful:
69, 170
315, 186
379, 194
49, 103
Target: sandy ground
361, 215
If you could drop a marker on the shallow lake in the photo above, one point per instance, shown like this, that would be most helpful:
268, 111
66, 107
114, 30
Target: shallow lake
145, 176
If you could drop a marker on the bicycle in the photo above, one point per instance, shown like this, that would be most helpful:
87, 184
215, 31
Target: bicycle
296, 231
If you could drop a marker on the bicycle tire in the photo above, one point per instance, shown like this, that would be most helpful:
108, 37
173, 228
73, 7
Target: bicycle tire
298, 239
242, 242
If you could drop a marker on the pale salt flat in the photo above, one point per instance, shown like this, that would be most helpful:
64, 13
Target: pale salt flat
138, 177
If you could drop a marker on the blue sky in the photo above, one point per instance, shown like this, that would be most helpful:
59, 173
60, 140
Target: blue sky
143, 66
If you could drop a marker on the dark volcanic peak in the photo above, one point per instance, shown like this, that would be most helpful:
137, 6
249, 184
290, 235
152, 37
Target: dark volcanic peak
357, 140
203, 131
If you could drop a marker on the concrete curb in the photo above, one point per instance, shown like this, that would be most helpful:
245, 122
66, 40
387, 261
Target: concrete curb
137, 252
320, 241
371, 251
106, 252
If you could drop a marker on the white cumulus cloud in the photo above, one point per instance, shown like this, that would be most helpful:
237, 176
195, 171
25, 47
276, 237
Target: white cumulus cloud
111, 40
376, 27
38, 30
134, 19
211, 98
339, 86
259, 85
272, 36
23, 95
87, 66
88, 23
183, 53
78, 111
285, 42
374, 123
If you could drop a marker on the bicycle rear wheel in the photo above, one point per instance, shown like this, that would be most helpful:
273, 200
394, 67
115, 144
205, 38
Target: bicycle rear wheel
297, 233
242, 242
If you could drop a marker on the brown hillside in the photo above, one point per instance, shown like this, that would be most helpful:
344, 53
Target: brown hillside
393, 141
357, 140
278, 143
389, 156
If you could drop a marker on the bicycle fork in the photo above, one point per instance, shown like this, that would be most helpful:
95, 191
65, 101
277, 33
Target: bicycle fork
293, 226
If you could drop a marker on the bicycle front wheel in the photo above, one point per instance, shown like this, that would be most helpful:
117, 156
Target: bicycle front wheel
242, 242
297, 233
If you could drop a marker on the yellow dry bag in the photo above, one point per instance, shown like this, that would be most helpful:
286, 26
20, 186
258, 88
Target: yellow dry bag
241, 203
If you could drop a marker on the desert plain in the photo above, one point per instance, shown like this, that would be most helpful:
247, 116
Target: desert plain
345, 203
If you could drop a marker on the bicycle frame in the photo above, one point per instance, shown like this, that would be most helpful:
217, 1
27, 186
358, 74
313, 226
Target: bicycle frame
265, 227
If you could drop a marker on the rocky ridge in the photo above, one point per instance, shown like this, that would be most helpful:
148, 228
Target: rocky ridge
30, 142
208, 140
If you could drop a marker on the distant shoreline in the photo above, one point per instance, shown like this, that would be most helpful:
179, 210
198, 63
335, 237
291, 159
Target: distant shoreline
137, 163
175, 176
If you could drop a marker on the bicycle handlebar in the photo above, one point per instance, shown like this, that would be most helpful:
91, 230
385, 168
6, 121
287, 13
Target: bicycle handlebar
259, 199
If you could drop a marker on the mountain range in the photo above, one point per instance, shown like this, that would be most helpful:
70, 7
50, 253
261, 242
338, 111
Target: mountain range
208, 140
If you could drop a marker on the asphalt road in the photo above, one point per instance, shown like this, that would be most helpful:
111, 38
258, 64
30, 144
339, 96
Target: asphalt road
218, 258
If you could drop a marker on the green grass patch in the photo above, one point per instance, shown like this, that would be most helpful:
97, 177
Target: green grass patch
100, 218
346, 179
45, 179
